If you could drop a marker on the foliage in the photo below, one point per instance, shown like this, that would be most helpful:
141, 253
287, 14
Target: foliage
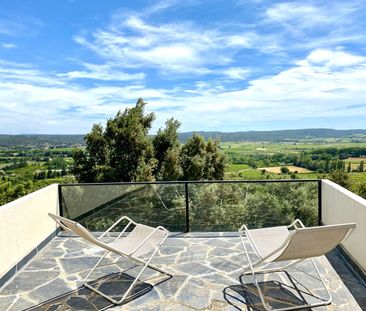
361, 167
123, 151
341, 178
361, 189
167, 152
201, 160
10, 192
120, 152
16, 164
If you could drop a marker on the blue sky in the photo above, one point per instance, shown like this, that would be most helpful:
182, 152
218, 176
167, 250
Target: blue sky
214, 65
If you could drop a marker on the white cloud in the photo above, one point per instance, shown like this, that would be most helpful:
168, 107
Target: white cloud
328, 58
304, 91
291, 13
305, 15
8, 45
176, 47
104, 72
317, 86
236, 73
24, 73
307, 25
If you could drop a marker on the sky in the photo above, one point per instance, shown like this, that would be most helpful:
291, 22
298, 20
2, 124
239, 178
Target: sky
218, 65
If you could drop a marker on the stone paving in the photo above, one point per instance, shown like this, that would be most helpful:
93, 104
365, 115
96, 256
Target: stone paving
206, 275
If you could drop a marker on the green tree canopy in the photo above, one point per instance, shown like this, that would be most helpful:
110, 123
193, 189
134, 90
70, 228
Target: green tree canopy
340, 177
167, 151
124, 151
201, 160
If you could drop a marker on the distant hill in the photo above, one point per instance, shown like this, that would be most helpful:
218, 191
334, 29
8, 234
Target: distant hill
40, 140
281, 135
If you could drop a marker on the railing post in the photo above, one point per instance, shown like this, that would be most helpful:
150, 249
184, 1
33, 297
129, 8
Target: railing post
320, 222
60, 200
187, 205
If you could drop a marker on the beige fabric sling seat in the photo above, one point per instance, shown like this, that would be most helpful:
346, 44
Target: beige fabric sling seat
141, 241
279, 244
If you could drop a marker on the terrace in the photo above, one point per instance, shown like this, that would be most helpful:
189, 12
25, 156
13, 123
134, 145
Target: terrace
42, 269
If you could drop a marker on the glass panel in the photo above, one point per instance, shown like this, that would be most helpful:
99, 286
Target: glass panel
98, 206
226, 206
212, 206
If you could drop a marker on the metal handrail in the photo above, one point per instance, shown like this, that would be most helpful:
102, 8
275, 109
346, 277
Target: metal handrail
172, 182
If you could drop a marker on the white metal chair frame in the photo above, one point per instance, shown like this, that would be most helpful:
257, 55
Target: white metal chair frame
254, 268
109, 248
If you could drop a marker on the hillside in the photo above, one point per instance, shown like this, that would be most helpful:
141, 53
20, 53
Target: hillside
276, 136
280, 135
40, 140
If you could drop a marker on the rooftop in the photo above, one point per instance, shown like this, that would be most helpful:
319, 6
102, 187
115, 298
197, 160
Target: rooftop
40, 270
206, 271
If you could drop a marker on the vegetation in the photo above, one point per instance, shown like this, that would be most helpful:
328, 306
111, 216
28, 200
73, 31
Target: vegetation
25, 170
340, 160
123, 151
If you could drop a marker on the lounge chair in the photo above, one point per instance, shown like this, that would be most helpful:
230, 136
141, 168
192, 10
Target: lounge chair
279, 244
142, 240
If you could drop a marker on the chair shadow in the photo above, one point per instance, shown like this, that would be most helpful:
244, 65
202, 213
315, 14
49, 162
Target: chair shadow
276, 294
82, 298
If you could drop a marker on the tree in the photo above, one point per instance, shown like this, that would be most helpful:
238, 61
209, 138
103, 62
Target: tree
361, 167
341, 178
284, 170
130, 150
167, 151
122, 151
96, 144
50, 173
215, 161
361, 189
193, 158
327, 165
171, 168
202, 160
83, 167
349, 167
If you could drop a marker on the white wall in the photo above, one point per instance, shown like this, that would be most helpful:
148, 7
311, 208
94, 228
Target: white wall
24, 224
342, 206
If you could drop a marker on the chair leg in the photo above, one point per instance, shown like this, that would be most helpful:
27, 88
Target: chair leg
140, 273
254, 273
126, 294
96, 265
279, 269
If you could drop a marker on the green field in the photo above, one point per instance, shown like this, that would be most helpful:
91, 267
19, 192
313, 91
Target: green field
265, 150
286, 147
235, 171
237, 167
